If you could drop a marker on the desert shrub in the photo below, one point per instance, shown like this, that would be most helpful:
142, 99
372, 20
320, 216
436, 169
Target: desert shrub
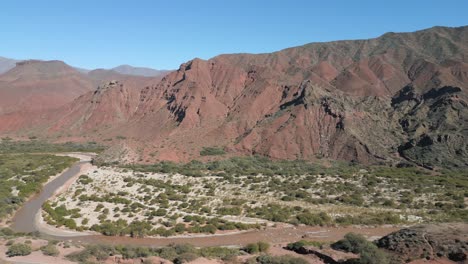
267, 259
167, 253
370, 254
311, 219
254, 248
6, 232
85, 179
184, 248
179, 228
18, 250
263, 246
229, 211
352, 242
100, 252
50, 250
251, 248
352, 199
295, 246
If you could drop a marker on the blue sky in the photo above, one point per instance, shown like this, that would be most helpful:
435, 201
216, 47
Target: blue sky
164, 34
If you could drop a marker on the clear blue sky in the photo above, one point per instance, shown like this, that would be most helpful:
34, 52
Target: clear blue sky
164, 34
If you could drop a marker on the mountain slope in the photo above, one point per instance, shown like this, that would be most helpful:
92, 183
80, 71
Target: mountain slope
401, 97
331, 100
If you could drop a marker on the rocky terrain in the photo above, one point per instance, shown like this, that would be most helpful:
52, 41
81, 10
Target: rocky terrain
429, 242
397, 98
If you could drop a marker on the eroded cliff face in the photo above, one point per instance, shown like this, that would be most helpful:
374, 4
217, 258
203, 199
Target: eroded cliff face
367, 101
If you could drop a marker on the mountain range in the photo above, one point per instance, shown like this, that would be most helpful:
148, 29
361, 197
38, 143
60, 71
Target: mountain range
397, 99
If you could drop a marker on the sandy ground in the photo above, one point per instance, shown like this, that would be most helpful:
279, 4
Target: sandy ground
272, 235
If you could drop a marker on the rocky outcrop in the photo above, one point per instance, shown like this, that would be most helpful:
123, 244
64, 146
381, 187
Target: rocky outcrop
428, 242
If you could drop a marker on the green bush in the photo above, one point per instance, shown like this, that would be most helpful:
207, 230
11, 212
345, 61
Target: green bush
352, 242
18, 250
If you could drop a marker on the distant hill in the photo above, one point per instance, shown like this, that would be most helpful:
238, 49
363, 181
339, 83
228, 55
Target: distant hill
6, 64
37, 85
138, 71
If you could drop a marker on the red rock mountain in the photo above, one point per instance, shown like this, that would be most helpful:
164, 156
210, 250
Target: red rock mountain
401, 96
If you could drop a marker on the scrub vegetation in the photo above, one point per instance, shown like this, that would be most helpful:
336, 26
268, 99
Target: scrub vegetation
167, 199
22, 175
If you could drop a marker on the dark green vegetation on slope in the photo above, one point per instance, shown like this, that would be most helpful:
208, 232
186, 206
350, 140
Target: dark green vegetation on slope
251, 165
22, 175
37, 146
